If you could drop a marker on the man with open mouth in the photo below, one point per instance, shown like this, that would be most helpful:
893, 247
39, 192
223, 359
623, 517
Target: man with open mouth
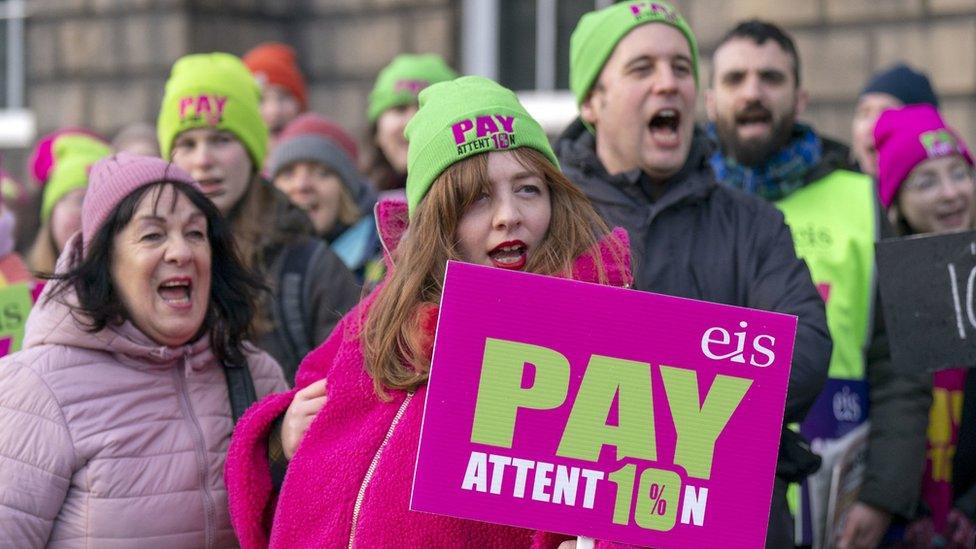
635, 151
835, 216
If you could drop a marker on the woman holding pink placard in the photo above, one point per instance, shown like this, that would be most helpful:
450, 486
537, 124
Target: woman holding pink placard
483, 187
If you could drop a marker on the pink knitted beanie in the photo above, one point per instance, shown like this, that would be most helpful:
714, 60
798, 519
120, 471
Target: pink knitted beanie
907, 137
116, 177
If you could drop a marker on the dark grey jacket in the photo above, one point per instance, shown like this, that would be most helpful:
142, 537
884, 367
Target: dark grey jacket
323, 290
704, 241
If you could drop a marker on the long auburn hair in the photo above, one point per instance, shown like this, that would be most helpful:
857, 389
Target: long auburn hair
395, 345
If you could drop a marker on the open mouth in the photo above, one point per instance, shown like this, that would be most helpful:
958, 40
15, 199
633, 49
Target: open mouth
754, 116
176, 291
664, 127
952, 219
211, 186
509, 255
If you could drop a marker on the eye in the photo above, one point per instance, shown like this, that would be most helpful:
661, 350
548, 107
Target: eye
923, 183
959, 173
773, 77
641, 69
733, 78
151, 236
183, 144
222, 138
196, 234
529, 188
681, 68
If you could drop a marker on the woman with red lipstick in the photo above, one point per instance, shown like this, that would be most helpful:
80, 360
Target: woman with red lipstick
926, 180
483, 187
210, 125
116, 416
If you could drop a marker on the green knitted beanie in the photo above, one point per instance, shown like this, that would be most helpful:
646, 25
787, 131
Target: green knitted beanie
598, 32
213, 90
400, 81
74, 154
461, 118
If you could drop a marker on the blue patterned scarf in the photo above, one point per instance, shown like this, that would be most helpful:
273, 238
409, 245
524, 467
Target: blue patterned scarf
782, 174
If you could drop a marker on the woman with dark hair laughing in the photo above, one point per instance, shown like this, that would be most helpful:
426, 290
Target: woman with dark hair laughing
116, 416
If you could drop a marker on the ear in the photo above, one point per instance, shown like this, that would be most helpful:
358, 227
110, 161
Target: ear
710, 107
893, 214
589, 109
802, 100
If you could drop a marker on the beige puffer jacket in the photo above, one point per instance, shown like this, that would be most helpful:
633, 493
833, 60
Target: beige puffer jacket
111, 440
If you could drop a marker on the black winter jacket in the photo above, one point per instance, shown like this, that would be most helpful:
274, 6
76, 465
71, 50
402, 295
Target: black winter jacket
305, 302
705, 241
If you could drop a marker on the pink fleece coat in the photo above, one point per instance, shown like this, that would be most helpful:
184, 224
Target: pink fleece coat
326, 475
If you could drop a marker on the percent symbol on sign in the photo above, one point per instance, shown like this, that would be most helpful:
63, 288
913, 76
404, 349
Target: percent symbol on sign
657, 495
644, 494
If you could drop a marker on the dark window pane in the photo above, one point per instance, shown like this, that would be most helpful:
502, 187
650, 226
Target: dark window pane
570, 12
516, 44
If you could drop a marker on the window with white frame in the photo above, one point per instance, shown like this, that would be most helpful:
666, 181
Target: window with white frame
16, 123
524, 45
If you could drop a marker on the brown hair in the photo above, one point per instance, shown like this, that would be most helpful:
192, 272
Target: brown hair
349, 212
43, 254
248, 221
394, 342
377, 167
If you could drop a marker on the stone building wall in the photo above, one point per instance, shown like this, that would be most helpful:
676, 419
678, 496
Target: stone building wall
102, 63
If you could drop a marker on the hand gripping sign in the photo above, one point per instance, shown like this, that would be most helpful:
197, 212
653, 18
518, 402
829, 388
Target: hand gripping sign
588, 410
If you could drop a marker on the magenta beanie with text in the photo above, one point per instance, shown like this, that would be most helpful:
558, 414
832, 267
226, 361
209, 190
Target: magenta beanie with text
907, 137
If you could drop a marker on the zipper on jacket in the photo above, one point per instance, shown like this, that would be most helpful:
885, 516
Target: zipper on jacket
210, 512
372, 469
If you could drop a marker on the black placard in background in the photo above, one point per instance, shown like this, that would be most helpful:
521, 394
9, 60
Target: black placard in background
928, 289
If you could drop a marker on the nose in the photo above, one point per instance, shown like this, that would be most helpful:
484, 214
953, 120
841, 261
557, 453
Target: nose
951, 188
666, 81
750, 88
507, 214
178, 250
303, 179
201, 157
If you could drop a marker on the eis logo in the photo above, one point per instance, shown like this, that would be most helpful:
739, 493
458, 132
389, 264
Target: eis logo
641, 10
718, 344
410, 86
489, 132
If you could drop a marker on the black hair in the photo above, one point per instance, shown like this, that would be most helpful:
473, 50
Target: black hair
760, 31
233, 287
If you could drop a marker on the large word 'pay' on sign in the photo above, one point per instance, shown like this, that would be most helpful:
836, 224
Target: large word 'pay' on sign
501, 394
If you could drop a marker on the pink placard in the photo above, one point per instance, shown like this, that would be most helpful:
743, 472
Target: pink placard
538, 411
